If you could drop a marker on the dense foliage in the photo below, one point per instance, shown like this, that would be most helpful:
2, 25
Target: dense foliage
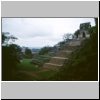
45, 50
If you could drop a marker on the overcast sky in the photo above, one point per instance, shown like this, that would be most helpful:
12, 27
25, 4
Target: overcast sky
39, 32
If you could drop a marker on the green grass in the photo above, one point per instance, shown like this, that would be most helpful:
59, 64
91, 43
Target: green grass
27, 66
44, 75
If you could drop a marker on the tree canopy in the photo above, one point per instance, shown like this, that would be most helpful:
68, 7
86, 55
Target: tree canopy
28, 53
11, 55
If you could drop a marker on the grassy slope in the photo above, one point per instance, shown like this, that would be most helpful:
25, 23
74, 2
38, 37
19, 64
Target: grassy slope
27, 66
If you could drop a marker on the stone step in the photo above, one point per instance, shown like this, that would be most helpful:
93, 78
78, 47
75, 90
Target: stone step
63, 53
59, 57
69, 48
57, 60
51, 66
75, 43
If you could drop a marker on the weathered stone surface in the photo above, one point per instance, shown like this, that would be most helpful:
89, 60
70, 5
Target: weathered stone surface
58, 60
51, 66
63, 53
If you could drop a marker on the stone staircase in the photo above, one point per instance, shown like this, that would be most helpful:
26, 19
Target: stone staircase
61, 56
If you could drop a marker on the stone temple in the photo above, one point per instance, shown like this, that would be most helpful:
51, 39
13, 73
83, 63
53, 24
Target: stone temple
83, 31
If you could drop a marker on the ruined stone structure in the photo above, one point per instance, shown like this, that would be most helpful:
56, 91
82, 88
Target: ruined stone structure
61, 56
83, 31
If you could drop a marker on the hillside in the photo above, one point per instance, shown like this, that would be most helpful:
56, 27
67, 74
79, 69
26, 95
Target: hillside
83, 62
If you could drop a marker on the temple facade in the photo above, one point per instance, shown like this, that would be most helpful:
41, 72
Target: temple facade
83, 31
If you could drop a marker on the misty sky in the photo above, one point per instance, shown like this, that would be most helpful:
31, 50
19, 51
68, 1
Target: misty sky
39, 32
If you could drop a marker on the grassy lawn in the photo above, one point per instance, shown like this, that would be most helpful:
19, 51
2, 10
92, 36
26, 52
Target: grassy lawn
27, 66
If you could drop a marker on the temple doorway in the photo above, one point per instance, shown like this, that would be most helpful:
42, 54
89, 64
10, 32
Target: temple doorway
84, 35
